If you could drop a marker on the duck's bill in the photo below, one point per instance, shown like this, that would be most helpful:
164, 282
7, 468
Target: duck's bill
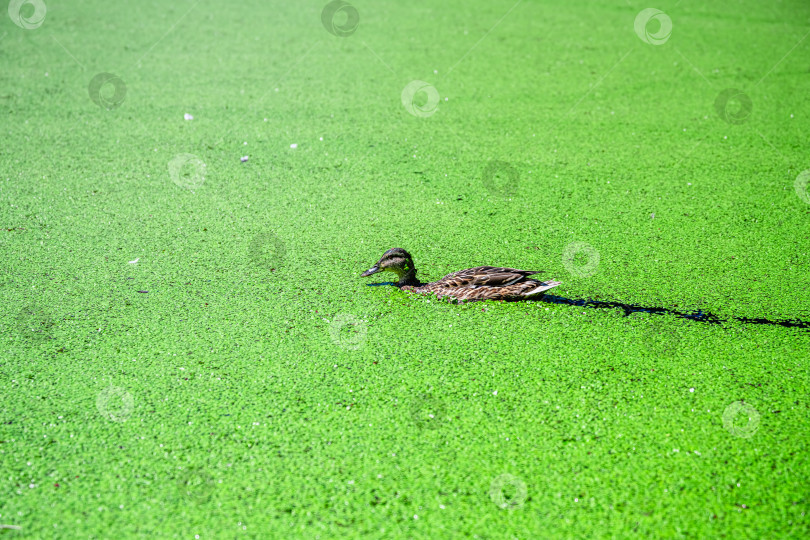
373, 270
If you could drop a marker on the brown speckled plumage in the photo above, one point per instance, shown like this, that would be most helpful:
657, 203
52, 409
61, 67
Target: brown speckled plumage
479, 283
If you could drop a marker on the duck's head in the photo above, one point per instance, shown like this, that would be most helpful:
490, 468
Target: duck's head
395, 260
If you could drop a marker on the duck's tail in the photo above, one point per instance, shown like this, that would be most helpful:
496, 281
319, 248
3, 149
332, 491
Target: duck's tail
544, 286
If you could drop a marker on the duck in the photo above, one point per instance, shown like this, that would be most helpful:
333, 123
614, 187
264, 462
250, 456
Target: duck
472, 284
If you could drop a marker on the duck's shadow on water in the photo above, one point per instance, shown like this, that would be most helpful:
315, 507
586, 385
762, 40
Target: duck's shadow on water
697, 316
629, 309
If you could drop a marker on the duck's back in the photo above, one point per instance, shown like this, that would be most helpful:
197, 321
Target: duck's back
486, 283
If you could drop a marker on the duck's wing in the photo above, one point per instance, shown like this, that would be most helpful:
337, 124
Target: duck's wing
492, 276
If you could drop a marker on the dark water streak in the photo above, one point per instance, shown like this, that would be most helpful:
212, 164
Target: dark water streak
698, 316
